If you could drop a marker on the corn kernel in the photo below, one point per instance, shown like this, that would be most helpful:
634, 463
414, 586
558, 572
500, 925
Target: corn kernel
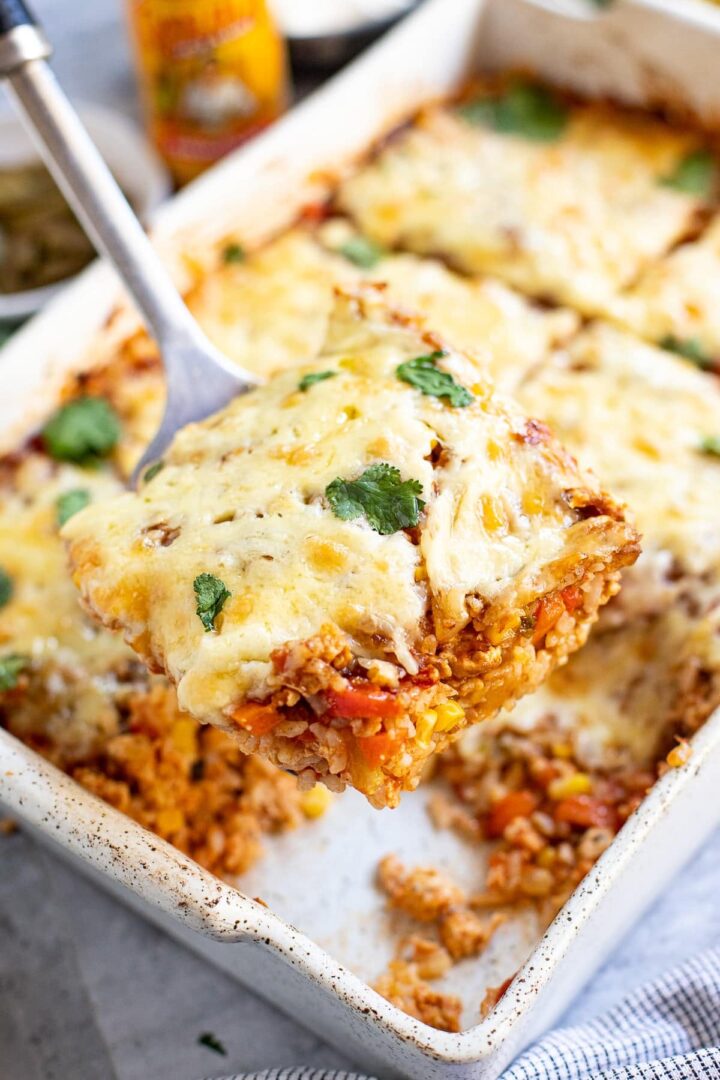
425, 727
493, 450
567, 786
316, 801
184, 736
493, 518
169, 821
421, 573
562, 750
532, 502
449, 715
679, 755
503, 629
546, 857
645, 446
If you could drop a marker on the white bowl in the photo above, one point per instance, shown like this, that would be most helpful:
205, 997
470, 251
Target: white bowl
133, 161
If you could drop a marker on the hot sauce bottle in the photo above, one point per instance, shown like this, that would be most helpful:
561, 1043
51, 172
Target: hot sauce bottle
212, 73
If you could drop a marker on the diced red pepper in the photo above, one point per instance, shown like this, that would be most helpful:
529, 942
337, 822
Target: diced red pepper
514, 805
363, 703
586, 811
377, 749
572, 597
257, 719
315, 213
549, 610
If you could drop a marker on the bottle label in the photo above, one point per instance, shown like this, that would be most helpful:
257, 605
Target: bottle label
213, 73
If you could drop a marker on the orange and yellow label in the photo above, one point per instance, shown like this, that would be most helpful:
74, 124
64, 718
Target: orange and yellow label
212, 73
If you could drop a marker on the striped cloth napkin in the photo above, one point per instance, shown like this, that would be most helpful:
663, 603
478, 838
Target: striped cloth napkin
668, 1029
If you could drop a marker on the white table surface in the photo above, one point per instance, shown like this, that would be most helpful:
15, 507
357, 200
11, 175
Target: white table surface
88, 991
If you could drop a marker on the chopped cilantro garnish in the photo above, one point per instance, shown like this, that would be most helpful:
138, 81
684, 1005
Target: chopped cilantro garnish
233, 253
694, 175
6, 588
70, 502
212, 1042
153, 470
362, 251
710, 445
386, 501
82, 431
423, 374
315, 377
11, 667
211, 595
524, 109
690, 349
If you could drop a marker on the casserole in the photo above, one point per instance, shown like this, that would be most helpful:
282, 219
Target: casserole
331, 620
284, 964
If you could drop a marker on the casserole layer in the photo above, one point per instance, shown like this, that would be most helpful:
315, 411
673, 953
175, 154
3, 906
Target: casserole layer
565, 201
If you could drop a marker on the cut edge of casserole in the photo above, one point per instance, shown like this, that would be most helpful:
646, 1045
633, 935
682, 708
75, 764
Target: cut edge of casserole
349, 642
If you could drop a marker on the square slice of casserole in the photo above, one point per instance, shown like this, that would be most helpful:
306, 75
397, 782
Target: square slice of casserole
566, 201
350, 564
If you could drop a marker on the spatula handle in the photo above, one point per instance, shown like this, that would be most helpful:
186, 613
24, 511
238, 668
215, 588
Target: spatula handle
21, 39
14, 13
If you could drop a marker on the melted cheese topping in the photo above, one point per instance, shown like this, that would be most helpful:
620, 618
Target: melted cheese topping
76, 662
271, 312
576, 219
678, 296
636, 415
242, 497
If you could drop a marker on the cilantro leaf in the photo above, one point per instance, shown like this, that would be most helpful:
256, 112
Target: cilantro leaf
315, 377
690, 349
212, 1043
6, 588
710, 445
82, 431
524, 109
387, 502
362, 252
11, 667
695, 174
211, 594
425, 376
70, 502
233, 253
153, 470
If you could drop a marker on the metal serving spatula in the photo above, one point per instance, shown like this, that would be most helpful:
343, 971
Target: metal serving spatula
200, 379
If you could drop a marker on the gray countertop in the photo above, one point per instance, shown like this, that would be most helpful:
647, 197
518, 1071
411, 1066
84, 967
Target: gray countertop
88, 991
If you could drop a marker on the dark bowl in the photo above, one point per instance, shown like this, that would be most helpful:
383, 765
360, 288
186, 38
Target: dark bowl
327, 52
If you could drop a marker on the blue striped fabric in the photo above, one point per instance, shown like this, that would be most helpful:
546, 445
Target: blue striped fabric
668, 1029
658, 1032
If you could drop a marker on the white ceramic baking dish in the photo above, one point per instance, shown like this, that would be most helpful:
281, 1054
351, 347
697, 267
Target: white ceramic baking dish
320, 878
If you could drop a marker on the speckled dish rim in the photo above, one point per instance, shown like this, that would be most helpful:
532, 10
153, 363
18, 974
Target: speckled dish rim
253, 194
